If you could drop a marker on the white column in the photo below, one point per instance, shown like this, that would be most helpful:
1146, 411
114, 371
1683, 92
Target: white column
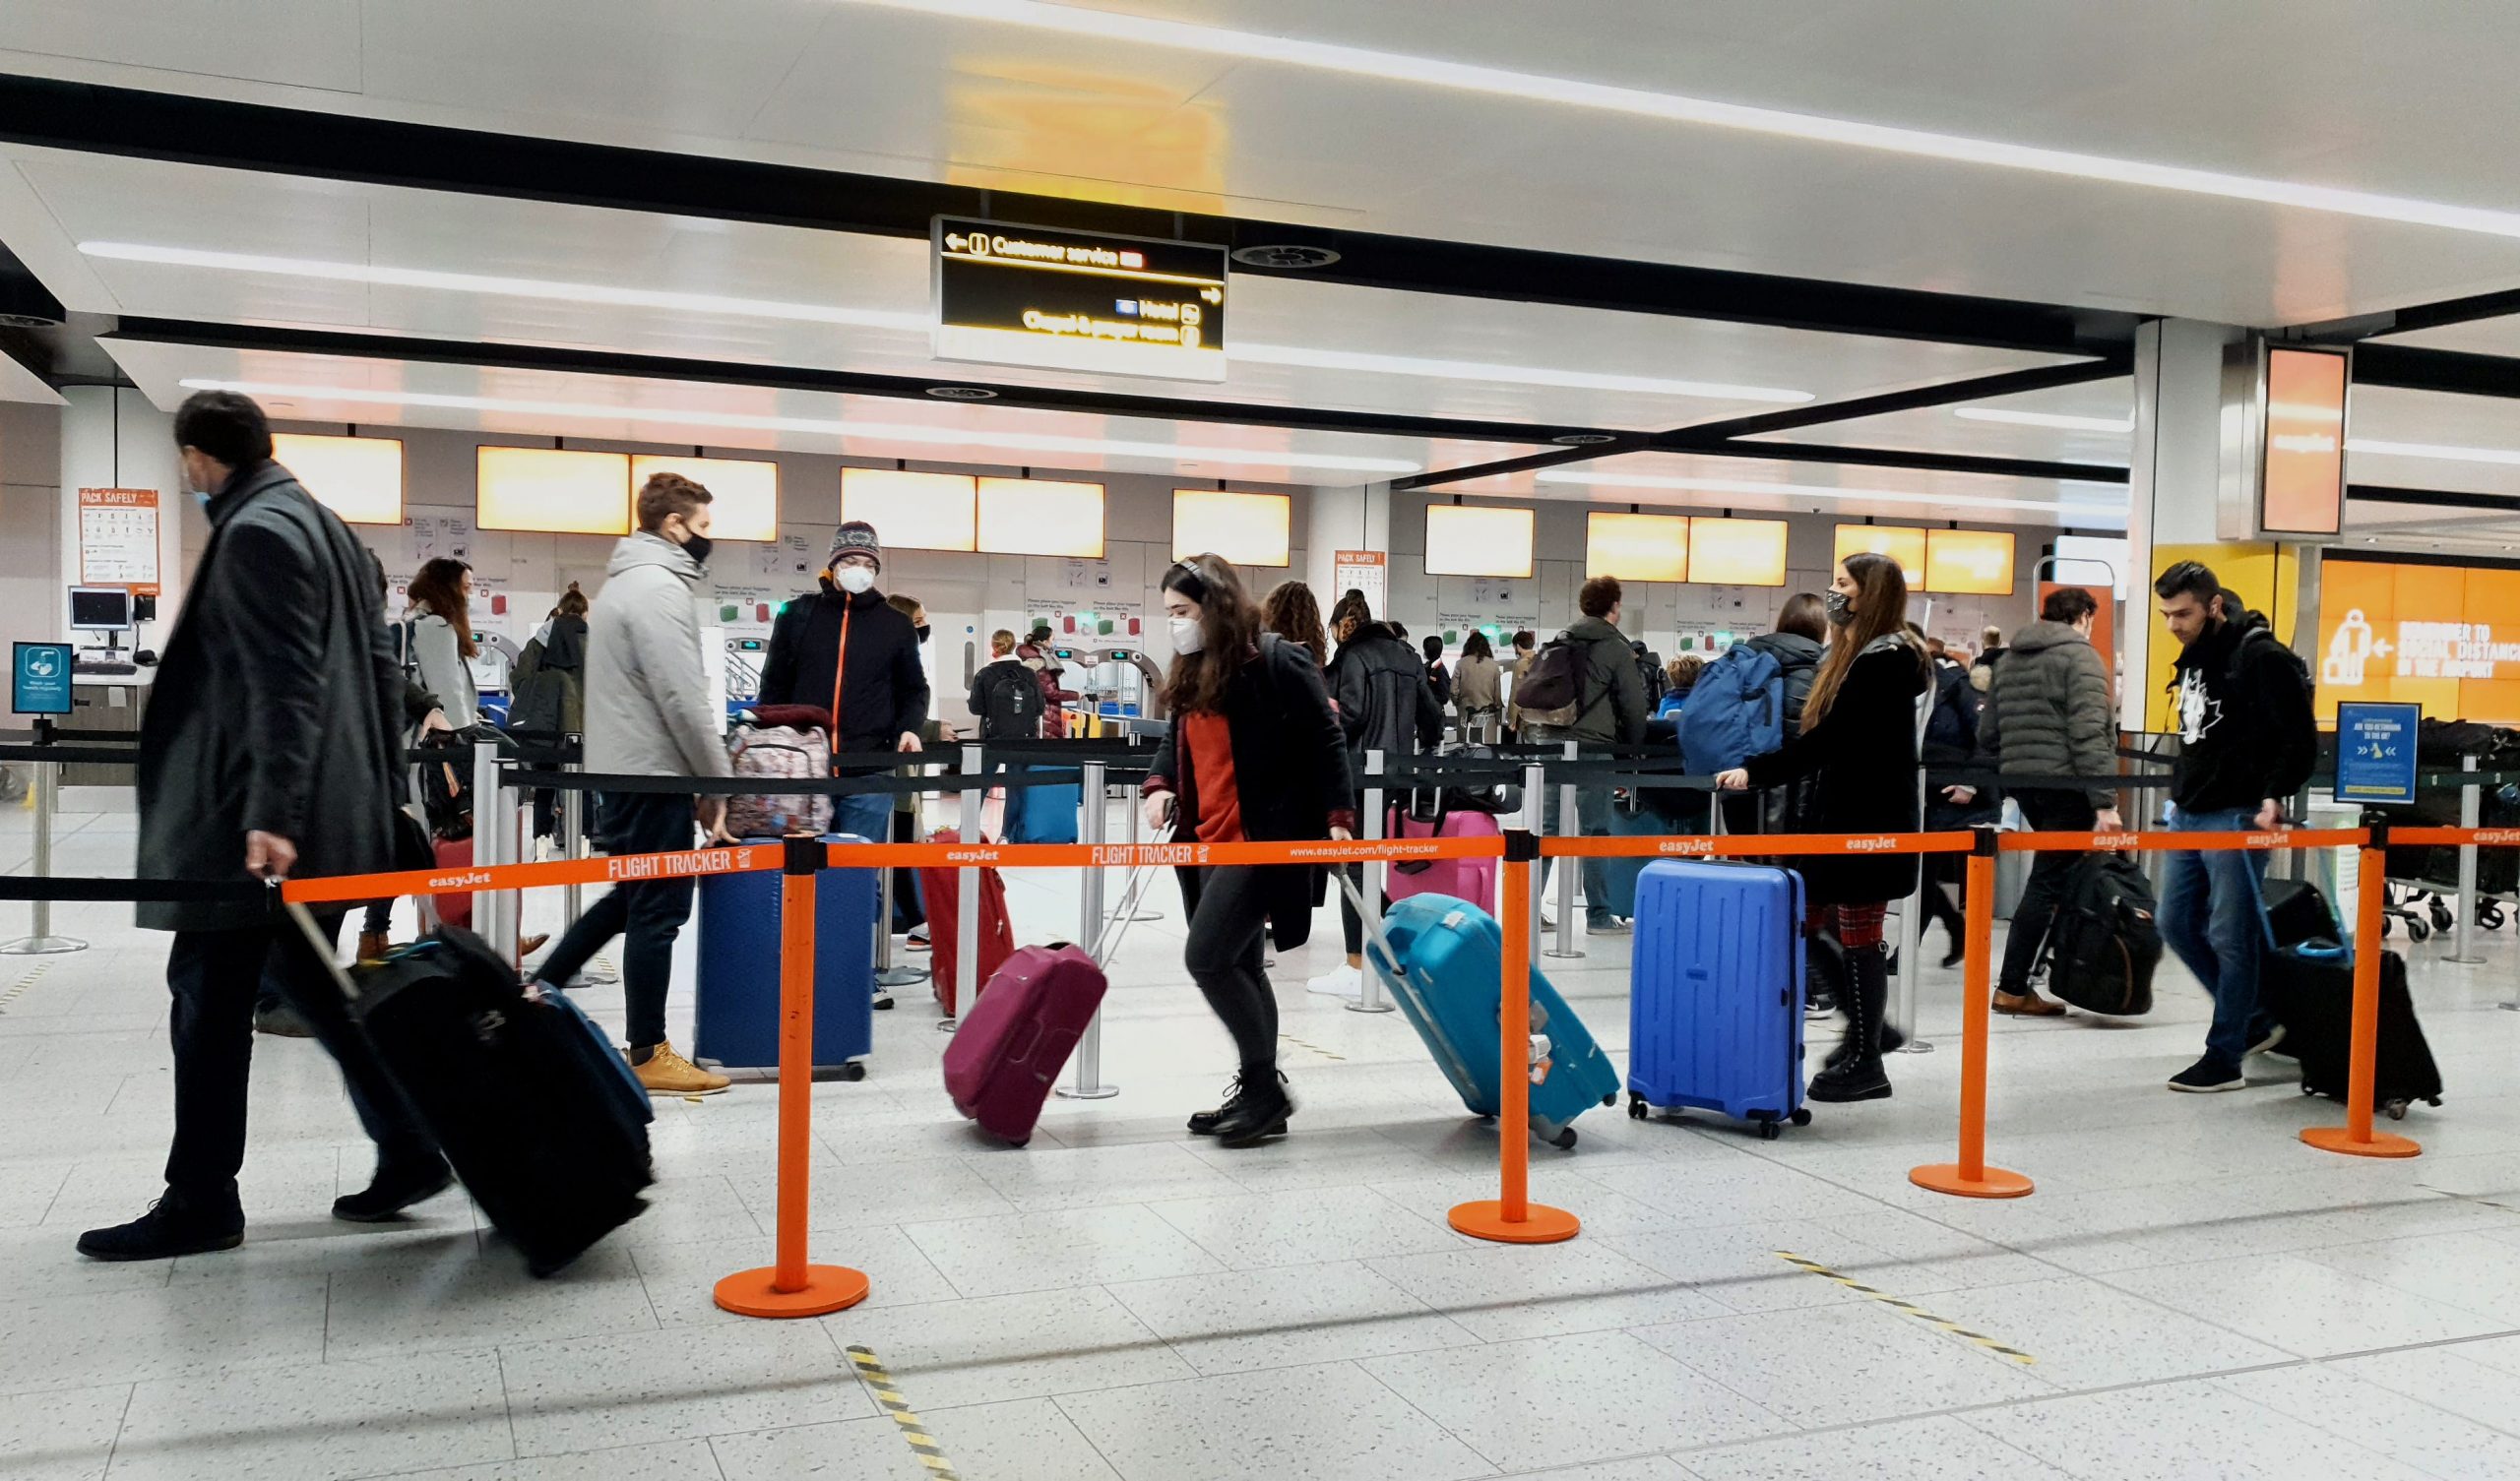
111, 437
2173, 484
1342, 519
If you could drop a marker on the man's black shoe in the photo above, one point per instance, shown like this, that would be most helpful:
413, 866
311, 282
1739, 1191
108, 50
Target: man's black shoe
394, 1190
1205, 1123
169, 1228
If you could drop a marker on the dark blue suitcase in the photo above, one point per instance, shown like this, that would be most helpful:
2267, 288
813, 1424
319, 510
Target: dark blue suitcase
1446, 961
1715, 1000
736, 1013
1042, 814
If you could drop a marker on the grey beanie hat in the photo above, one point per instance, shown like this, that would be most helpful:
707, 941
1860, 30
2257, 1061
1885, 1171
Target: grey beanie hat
859, 537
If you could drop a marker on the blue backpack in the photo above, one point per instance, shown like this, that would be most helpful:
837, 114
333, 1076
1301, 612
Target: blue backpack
1736, 711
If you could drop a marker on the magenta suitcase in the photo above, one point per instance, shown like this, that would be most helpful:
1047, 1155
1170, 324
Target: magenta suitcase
1009, 1046
1471, 880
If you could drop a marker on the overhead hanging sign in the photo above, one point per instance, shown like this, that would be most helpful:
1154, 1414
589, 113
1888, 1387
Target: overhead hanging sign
1079, 300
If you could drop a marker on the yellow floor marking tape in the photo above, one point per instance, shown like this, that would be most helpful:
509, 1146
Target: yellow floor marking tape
1909, 1307
25, 982
1315, 1048
922, 1443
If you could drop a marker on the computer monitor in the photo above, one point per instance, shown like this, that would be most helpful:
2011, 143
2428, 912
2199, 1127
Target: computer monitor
100, 609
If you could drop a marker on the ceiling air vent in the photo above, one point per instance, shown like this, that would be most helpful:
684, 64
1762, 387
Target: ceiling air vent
1287, 257
1583, 439
962, 393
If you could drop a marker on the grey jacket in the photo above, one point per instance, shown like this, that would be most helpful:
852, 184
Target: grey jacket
647, 693
2048, 709
274, 706
439, 657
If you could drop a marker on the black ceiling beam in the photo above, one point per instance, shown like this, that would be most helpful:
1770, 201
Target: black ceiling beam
2458, 372
1931, 462
2435, 498
2422, 316
583, 361
221, 132
1632, 442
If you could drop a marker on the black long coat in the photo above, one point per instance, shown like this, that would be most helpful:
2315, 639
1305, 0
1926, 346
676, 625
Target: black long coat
1290, 767
1863, 752
276, 705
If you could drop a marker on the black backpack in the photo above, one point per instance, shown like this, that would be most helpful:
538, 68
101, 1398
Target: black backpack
1015, 706
1555, 679
2104, 943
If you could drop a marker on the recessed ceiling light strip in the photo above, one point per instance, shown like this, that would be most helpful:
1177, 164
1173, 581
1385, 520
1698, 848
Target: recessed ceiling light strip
2124, 423
1754, 487
952, 437
2441, 451
1498, 82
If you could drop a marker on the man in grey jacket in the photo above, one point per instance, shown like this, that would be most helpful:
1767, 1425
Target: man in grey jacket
2048, 712
648, 715
1608, 709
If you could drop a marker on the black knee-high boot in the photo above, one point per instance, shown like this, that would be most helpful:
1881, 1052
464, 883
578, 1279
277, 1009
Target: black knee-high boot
1859, 1075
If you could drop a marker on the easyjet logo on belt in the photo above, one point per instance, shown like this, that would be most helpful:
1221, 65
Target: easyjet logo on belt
2263, 840
2498, 834
457, 880
2116, 840
1688, 846
1877, 843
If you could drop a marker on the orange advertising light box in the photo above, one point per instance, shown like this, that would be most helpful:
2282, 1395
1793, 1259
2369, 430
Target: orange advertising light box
1637, 547
2303, 489
1969, 562
913, 511
1248, 529
1903, 544
1738, 552
360, 478
1040, 517
743, 492
551, 490
1472, 539
2444, 635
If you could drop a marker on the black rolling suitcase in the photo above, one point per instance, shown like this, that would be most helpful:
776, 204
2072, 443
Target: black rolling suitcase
2309, 990
529, 1106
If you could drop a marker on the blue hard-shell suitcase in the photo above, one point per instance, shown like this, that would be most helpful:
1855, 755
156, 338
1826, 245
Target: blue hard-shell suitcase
1042, 815
736, 1012
1447, 960
1716, 992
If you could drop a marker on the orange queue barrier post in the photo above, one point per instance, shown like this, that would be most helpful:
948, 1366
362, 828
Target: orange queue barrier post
1511, 1217
1971, 1177
793, 1286
2356, 1137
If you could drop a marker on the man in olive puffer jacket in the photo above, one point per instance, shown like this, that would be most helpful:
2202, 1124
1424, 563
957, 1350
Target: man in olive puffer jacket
2049, 713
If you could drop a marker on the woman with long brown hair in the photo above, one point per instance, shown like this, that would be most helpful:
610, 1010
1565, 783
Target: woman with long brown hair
1858, 736
440, 638
1290, 611
1253, 754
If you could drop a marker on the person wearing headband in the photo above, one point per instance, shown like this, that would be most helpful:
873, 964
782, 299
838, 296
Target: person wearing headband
1253, 754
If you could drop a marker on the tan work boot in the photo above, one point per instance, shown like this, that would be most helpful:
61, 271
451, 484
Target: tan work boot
2027, 1005
668, 1074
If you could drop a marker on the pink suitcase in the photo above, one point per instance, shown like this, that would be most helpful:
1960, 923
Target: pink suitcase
1471, 880
1009, 1046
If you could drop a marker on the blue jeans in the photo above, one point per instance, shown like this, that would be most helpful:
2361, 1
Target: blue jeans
2214, 918
868, 815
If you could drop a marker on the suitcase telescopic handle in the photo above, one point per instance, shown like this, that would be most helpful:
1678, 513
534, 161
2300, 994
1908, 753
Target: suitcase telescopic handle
315, 942
1385, 959
1132, 895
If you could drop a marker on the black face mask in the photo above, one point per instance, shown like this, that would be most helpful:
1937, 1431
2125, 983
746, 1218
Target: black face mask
697, 547
921, 630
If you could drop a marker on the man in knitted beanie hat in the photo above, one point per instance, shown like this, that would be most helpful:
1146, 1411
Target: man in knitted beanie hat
855, 543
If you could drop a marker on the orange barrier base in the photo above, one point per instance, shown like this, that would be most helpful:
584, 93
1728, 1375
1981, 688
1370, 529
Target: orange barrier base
2338, 1139
1540, 1224
827, 1289
1946, 1176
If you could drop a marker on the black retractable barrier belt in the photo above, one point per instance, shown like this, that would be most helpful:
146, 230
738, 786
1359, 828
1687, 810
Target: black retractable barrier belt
106, 756
17, 887
948, 783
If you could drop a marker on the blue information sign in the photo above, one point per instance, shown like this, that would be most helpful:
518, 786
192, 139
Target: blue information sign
42, 682
2375, 752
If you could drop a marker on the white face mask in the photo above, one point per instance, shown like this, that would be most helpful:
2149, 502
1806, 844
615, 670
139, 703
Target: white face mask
1186, 636
855, 579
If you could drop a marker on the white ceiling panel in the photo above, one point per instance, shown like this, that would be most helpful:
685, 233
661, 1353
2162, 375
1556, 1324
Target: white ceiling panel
1943, 429
380, 393
1493, 359
19, 384
1681, 480
2403, 97
2487, 424
2481, 337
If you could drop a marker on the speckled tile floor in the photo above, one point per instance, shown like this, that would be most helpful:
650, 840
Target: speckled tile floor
2200, 1294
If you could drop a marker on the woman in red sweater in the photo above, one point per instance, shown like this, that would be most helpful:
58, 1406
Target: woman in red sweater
1253, 754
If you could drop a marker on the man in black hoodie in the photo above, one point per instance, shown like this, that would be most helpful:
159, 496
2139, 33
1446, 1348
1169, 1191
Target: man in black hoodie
844, 649
2248, 743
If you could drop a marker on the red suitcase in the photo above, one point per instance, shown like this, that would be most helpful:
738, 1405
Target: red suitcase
1010, 1047
454, 909
941, 890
